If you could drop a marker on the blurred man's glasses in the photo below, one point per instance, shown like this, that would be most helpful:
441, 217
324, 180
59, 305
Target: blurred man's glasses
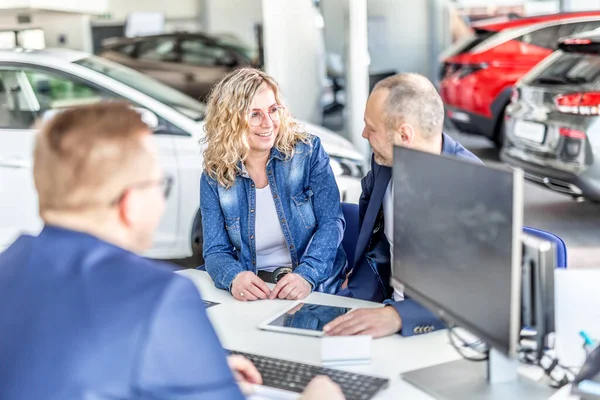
165, 184
256, 117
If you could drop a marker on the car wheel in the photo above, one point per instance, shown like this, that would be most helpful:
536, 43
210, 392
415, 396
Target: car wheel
197, 240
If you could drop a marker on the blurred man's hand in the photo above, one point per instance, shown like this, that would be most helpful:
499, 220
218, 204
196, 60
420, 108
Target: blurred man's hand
377, 322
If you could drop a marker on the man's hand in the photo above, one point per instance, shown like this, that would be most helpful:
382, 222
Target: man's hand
244, 372
248, 287
291, 287
377, 322
321, 387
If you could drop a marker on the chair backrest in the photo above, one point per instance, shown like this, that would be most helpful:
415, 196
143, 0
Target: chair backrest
351, 233
351, 237
559, 244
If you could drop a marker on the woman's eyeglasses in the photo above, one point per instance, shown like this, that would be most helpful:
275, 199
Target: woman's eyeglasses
256, 117
165, 184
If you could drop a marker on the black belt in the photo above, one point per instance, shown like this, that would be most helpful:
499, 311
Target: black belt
275, 276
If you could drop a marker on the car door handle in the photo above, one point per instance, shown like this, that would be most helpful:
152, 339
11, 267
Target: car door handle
14, 162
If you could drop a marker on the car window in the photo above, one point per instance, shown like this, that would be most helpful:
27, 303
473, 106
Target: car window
126, 49
52, 92
158, 49
544, 37
571, 68
576, 28
197, 52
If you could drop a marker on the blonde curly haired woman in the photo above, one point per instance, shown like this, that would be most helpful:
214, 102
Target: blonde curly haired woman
269, 201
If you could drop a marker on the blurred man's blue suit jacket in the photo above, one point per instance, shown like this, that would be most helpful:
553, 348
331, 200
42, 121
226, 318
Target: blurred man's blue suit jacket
83, 319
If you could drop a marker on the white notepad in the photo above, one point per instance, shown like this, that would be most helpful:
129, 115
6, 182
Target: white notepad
346, 350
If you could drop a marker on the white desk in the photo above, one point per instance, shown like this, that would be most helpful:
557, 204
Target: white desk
236, 325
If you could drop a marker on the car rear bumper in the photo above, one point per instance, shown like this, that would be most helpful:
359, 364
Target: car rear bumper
471, 123
586, 184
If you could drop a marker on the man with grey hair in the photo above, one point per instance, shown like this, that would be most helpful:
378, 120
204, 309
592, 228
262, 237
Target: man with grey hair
404, 110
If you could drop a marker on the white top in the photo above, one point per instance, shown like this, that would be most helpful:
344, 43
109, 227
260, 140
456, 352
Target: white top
388, 220
271, 248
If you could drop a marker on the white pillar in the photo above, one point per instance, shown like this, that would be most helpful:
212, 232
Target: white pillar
295, 54
357, 72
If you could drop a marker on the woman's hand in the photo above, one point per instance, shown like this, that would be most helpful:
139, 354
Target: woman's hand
291, 287
248, 287
244, 372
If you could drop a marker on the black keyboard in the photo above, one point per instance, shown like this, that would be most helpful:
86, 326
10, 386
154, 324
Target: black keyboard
293, 377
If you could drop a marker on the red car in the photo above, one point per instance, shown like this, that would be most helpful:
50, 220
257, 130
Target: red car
477, 75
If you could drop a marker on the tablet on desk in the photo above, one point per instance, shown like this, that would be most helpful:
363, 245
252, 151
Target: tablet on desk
303, 319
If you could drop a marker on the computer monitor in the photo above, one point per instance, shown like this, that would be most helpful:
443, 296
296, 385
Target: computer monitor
457, 251
539, 262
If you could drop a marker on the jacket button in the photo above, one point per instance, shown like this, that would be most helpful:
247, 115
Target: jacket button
251, 211
283, 220
253, 262
291, 247
274, 196
251, 237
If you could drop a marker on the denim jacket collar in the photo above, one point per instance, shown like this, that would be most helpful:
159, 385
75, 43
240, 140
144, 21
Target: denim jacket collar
275, 153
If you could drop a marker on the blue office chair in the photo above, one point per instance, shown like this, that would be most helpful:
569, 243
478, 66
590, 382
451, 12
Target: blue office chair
351, 234
561, 247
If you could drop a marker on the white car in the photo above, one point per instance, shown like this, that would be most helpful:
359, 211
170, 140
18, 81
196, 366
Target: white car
35, 82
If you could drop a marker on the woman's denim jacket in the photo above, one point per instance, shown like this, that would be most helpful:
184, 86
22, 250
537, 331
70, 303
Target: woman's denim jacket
307, 200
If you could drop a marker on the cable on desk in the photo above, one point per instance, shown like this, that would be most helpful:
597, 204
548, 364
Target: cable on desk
464, 343
558, 375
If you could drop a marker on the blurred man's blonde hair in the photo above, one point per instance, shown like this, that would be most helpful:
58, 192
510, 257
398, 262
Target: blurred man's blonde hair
227, 123
85, 157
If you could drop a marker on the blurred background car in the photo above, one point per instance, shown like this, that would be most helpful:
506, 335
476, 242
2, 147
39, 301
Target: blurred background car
478, 73
35, 82
189, 62
553, 121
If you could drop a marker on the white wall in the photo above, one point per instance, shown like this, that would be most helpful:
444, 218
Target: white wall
74, 27
78, 6
295, 54
399, 33
403, 46
171, 8
233, 16
335, 24
581, 5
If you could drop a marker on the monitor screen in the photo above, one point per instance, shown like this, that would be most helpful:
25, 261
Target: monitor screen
457, 249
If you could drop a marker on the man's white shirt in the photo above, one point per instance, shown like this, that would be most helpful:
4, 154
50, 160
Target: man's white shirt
388, 230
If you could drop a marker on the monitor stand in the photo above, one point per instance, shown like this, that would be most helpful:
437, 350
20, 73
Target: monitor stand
495, 379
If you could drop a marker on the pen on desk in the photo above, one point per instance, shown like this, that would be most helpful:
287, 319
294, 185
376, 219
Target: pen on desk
588, 341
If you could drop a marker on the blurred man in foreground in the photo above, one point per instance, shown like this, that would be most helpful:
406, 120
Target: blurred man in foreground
81, 315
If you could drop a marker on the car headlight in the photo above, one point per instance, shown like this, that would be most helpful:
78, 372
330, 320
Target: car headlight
346, 167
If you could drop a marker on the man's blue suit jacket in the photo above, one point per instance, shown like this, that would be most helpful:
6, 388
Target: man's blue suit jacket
370, 277
83, 319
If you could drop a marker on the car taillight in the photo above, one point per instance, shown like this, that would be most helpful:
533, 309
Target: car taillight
571, 133
578, 103
576, 41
